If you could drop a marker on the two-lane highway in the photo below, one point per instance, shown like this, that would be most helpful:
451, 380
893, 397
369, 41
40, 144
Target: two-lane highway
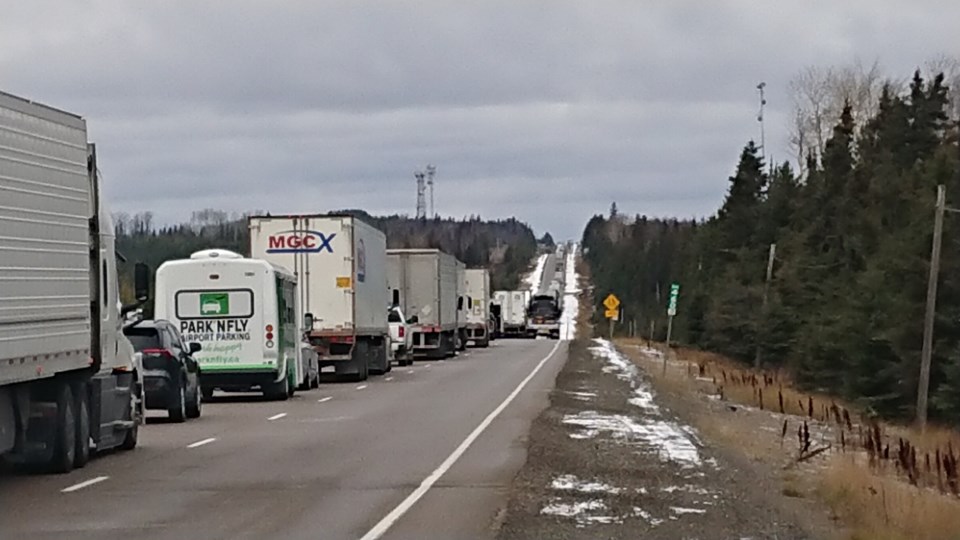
424, 452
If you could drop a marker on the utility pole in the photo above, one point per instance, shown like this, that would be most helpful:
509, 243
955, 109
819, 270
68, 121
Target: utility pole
431, 172
763, 102
766, 294
928, 319
421, 192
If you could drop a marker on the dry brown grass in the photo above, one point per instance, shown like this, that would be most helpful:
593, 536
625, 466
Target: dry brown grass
882, 507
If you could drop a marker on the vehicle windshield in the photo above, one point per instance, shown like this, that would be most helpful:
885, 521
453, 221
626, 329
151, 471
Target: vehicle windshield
143, 338
394, 316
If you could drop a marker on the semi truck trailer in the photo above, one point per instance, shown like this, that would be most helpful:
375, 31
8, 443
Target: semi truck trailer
69, 379
513, 312
478, 306
424, 283
340, 263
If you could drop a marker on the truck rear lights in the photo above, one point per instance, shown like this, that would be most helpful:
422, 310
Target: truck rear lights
269, 344
158, 352
401, 331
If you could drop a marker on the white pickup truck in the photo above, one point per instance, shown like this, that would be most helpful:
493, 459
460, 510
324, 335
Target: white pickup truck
401, 338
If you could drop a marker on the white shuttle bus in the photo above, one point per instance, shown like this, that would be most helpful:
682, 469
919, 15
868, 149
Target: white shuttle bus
242, 311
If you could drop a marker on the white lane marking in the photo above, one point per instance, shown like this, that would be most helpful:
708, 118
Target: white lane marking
409, 372
277, 416
324, 400
428, 365
198, 444
384, 525
361, 387
81, 485
388, 379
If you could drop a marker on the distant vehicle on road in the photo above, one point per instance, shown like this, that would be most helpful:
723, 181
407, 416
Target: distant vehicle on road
513, 312
543, 315
401, 338
426, 282
242, 312
478, 306
171, 375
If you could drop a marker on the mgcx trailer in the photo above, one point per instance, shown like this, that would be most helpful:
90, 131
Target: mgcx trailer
68, 375
478, 306
340, 262
424, 283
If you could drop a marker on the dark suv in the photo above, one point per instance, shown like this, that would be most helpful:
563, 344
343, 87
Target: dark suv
171, 376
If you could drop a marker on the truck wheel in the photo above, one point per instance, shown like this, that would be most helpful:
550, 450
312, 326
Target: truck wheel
64, 433
133, 434
82, 452
178, 412
484, 343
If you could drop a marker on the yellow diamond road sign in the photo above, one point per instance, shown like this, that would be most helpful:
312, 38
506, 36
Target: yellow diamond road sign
612, 302
612, 313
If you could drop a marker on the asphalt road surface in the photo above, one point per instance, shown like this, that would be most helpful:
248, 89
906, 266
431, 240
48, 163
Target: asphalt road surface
396, 457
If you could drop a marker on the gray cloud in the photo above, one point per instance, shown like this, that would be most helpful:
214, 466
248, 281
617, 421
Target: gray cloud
543, 110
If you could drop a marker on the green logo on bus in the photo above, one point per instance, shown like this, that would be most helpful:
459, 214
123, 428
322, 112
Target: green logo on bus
214, 304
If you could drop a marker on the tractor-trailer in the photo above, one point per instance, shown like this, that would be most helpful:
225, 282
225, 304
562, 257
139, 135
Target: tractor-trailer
69, 379
477, 293
340, 265
424, 283
513, 312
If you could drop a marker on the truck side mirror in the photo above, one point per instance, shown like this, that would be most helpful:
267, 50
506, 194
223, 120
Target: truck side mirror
308, 322
141, 281
195, 348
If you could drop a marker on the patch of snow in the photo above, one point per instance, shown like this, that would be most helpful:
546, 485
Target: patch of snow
562, 509
569, 482
640, 512
582, 396
666, 438
689, 488
679, 510
616, 363
571, 302
533, 280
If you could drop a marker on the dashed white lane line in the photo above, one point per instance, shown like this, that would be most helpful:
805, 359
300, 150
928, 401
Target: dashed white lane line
277, 416
388, 379
361, 387
428, 365
384, 525
81, 485
409, 372
324, 400
198, 444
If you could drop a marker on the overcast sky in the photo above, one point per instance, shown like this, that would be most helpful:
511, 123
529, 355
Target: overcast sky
545, 110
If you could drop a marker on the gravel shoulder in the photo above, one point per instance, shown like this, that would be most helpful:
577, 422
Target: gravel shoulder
617, 454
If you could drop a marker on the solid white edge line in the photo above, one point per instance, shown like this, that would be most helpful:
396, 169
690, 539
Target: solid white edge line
277, 416
82, 485
198, 444
388, 379
384, 525
361, 387
324, 400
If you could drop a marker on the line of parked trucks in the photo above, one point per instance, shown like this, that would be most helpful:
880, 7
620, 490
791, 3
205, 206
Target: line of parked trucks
319, 293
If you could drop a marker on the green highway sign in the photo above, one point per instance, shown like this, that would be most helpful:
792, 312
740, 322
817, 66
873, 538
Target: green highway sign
674, 293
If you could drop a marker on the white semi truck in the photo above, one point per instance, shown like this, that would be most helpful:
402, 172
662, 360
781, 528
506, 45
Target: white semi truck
340, 263
513, 312
69, 379
478, 299
425, 283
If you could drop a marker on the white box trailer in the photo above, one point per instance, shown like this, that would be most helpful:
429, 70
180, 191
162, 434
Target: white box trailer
425, 284
478, 299
68, 375
513, 312
340, 262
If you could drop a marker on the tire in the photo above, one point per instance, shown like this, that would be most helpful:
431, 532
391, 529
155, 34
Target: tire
195, 408
315, 381
276, 391
64, 433
178, 412
82, 453
132, 437
483, 344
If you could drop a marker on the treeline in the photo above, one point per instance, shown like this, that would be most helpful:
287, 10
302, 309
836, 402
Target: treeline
504, 246
845, 304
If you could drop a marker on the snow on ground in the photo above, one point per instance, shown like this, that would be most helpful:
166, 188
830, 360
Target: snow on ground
670, 440
569, 482
571, 301
533, 280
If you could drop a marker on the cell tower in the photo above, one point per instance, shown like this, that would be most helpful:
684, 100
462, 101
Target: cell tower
421, 195
763, 102
431, 172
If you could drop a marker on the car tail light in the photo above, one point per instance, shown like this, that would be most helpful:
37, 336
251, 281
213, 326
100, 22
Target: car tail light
269, 334
402, 331
158, 352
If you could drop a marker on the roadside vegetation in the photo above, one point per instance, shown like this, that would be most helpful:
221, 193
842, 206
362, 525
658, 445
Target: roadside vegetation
853, 231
